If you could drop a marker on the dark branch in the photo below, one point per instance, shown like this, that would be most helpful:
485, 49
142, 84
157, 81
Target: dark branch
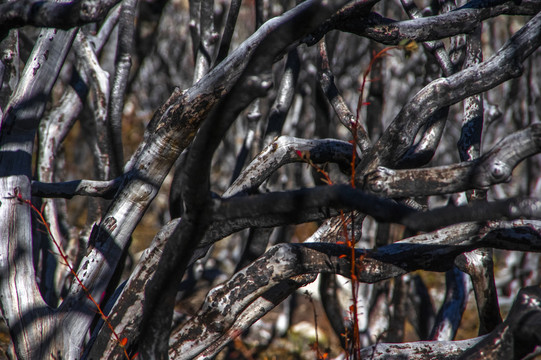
61, 15
518, 335
293, 207
229, 29
391, 32
345, 115
69, 189
435, 252
123, 62
504, 65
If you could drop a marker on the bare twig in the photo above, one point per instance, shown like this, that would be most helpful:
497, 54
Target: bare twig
345, 115
229, 28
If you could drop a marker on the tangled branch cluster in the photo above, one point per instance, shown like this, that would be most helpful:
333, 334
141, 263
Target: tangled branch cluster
244, 106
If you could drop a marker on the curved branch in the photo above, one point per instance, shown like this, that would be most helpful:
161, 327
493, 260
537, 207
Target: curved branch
460, 21
61, 15
283, 151
420, 350
259, 307
345, 115
225, 302
69, 189
518, 335
423, 151
494, 167
123, 61
53, 129
95, 121
504, 65
435, 251
479, 265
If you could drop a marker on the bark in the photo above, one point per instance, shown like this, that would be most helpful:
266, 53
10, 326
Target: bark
420, 350
502, 66
69, 189
460, 21
123, 63
62, 15
224, 303
49, 318
493, 167
31, 322
170, 131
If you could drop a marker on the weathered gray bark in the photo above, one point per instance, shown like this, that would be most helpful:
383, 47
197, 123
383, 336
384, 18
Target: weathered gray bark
170, 131
29, 318
48, 319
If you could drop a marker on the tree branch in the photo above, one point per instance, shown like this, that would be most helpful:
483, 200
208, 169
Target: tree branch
169, 132
297, 206
455, 301
282, 151
435, 251
419, 350
52, 14
123, 61
69, 189
229, 29
495, 166
460, 21
22, 305
518, 335
345, 115
504, 65
284, 97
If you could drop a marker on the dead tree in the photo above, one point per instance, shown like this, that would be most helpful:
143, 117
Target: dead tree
227, 100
